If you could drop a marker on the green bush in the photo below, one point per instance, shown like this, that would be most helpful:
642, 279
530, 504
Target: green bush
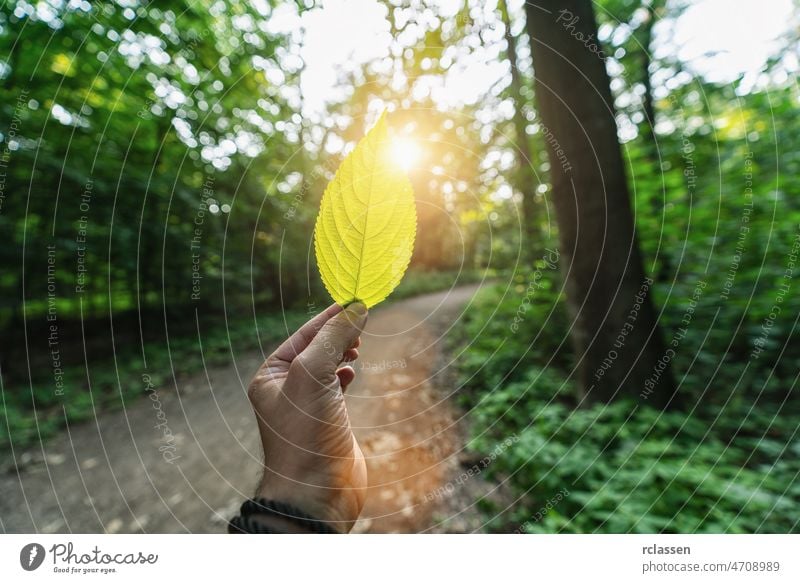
619, 467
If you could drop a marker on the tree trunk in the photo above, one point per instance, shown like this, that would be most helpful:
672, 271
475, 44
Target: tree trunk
646, 128
525, 181
618, 345
648, 108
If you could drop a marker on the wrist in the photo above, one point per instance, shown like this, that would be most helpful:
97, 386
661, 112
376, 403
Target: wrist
324, 504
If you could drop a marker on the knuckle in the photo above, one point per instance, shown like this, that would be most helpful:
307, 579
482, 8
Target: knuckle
253, 391
272, 361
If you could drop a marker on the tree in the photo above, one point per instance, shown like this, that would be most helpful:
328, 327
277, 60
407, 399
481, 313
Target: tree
525, 179
129, 128
616, 336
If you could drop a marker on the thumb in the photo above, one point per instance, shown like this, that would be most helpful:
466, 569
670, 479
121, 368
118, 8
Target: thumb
326, 351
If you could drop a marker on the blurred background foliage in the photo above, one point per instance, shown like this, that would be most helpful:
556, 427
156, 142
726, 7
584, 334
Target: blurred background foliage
158, 146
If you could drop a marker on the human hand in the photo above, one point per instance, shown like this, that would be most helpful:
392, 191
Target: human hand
311, 458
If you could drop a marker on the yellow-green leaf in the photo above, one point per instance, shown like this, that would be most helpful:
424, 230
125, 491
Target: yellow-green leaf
367, 222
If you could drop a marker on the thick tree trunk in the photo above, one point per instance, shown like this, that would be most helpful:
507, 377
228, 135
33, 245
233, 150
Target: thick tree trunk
618, 345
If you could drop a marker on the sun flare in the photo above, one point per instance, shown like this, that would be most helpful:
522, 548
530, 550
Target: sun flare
406, 153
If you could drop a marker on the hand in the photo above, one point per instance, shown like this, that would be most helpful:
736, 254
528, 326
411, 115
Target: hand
311, 457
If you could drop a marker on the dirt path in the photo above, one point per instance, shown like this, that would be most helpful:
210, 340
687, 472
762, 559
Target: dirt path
113, 474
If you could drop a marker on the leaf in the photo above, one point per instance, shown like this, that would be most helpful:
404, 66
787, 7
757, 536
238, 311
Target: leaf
366, 225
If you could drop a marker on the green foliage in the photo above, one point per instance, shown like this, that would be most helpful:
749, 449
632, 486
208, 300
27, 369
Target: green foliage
721, 236
720, 245
625, 467
718, 229
131, 123
150, 143
518, 325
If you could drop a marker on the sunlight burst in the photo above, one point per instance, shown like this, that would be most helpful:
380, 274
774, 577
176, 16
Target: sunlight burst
406, 153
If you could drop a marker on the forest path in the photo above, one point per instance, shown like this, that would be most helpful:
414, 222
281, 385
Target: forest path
113, 473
